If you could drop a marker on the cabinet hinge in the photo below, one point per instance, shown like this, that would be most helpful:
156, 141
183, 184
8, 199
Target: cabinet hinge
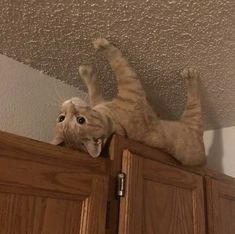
121, 183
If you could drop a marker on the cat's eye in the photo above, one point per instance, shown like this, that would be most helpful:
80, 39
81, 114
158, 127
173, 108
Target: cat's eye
81, 120
61, 118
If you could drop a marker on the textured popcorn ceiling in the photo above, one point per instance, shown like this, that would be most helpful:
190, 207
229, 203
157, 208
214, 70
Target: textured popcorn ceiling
158, 37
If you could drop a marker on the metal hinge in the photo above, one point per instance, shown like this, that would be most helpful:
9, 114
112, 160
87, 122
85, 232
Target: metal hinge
121, 183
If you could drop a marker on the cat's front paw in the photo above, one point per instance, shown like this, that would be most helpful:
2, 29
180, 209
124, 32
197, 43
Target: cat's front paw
101, 43
85, 70
189, 73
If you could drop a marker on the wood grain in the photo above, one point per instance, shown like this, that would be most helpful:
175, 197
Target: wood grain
46, 189
167, 209
115, 166
21, 214
36, 151
131, 205
160, 156
160, 199
93, 218
220, 206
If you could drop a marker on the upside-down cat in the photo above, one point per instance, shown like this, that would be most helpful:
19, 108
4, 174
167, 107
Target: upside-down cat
88, 127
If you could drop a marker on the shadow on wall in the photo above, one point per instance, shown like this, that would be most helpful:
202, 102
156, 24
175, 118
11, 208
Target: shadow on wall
215, 152
167, 106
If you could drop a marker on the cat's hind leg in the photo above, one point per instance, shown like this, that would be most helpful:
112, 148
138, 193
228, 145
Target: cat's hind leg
89, 77
192, 115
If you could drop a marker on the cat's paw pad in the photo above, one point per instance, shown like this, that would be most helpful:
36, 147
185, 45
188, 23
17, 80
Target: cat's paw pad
189, 73
86, 70
101, 43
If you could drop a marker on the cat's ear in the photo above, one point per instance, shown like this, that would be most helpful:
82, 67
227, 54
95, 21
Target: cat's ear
93, 147
57, 140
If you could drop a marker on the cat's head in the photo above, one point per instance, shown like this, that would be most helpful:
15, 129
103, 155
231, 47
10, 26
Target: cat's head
81, 127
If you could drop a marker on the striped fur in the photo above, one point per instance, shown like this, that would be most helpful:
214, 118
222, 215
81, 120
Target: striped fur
130, 115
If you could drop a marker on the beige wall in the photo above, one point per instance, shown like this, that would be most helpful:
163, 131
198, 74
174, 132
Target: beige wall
29, 100
220, 148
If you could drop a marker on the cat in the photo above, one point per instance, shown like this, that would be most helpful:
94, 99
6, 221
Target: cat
89, 126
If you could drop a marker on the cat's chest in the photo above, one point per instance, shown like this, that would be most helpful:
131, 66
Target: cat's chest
129, 120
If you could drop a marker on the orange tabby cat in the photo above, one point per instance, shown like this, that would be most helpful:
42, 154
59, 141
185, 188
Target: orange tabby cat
88, 127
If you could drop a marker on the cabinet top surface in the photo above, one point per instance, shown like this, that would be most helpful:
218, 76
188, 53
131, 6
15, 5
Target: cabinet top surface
44, 151
158, 155
13, 146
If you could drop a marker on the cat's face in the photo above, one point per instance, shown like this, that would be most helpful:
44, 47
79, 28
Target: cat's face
80, 127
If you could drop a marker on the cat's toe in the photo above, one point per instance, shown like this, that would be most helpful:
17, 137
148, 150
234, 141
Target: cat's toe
85, 70
189, 73
101, 43
193, 73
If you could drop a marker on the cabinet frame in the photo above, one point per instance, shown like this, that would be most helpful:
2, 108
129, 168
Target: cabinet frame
122, 155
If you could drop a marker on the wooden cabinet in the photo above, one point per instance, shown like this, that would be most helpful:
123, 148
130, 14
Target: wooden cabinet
47, 189
221, 206
160, 198
44, 190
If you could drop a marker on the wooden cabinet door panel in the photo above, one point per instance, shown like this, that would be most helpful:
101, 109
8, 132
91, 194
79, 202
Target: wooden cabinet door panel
221, 206
34, 214
45, 191
160, 199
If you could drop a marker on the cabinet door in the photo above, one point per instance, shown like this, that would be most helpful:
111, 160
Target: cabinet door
160, 199
49, 190
221, 207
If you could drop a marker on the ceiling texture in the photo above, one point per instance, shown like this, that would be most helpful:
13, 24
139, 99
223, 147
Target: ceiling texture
159, 37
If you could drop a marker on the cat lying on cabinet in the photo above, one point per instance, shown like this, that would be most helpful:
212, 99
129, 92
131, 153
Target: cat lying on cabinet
88, 127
